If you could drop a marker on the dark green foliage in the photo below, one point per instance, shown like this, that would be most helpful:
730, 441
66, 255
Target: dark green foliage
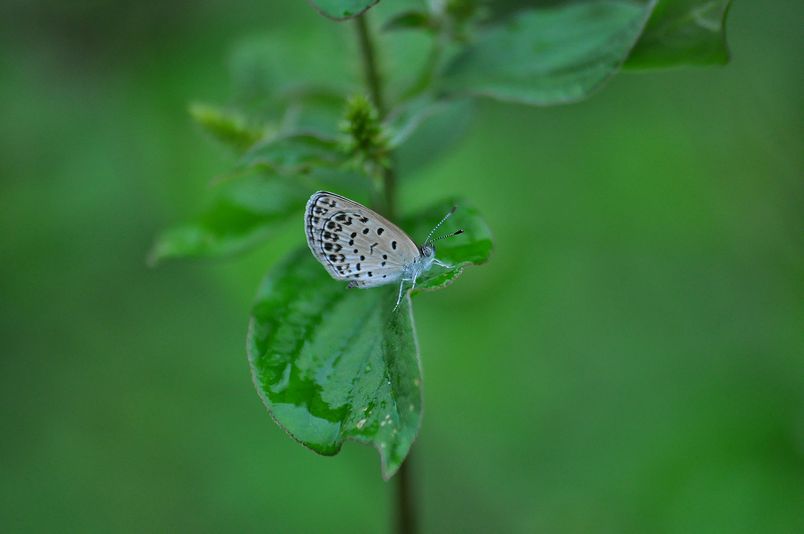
244, 211
549, 56
683, 32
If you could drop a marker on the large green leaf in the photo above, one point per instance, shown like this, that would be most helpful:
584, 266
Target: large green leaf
333, 364
549, 56
342, 9
243, 212
421, 130
297, 153
285, 75
683, 32
312, 108
407, 118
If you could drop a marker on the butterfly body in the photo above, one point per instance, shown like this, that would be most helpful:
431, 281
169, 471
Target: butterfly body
358, 245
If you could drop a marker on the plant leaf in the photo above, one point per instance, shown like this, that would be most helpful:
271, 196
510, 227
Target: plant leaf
227, 126
549, 56
473, 247
342, 9
284, 73
410, 20
332, 364
297, 153
242, 213
405, 120
683, 32
424, 128
311, 108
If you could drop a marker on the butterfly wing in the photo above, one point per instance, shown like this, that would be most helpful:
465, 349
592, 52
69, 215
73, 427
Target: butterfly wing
355, 243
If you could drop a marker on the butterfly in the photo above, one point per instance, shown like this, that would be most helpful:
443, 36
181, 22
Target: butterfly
358, 245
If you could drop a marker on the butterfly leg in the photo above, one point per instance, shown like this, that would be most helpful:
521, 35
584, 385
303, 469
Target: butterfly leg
399, 298
442, 264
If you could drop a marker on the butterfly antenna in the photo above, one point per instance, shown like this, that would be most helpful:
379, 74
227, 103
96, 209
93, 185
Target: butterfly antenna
456, 232
447, 216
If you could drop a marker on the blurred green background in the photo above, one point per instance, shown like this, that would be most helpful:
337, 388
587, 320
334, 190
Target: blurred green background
629, 361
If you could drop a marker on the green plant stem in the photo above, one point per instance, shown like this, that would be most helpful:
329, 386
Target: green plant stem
374, 85
370, 70
405, 505
405, 513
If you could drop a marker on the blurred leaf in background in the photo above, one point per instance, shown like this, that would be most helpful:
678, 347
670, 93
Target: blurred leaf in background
245, 210
550, 55
683, 32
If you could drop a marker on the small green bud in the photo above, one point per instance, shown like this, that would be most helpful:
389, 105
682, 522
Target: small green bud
227, 126
365, 138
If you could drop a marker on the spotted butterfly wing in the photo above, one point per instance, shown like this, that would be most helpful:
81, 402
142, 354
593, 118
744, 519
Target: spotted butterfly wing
356, 244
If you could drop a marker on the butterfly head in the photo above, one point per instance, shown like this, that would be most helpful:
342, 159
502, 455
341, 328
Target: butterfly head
428, 249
